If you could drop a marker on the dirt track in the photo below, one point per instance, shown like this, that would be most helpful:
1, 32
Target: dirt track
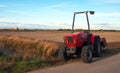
108, 63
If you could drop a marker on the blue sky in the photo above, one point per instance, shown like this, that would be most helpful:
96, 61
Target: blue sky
58, 14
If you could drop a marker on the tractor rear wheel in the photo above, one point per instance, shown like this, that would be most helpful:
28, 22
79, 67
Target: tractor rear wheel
62, 54
86, 54
97, 46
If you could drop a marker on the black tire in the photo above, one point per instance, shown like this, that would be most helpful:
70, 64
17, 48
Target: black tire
97, 46
78, 51
62, 54
86, 54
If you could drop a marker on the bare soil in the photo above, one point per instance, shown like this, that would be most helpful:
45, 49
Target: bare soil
113, 38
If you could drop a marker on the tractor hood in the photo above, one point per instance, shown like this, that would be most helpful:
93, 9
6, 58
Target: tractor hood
82, 34
73, 39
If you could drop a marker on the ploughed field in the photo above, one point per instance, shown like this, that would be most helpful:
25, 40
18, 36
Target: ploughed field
113, 38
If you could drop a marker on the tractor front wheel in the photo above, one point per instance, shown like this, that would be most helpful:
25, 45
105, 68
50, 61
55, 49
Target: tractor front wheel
86, 54
62, 54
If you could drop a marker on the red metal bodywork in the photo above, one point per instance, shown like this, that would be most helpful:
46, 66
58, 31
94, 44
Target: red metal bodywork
80, 38
103, 42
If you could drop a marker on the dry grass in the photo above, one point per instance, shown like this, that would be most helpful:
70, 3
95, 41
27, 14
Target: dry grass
27, 48
16, 53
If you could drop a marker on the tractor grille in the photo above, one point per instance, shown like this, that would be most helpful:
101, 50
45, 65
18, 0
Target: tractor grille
70, 39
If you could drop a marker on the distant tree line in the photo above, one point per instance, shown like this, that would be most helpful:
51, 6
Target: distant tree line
17, 29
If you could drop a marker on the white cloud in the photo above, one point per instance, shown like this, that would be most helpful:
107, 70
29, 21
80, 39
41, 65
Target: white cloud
57, 5
114, 14
3, 5
62, 5
107, 1
112, 1
106, 26
20, 12
24, 25
2, 18
17, 12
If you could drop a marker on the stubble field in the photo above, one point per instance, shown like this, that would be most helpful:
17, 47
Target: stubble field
113, 38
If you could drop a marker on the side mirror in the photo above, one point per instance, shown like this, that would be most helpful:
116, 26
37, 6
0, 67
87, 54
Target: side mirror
91, 12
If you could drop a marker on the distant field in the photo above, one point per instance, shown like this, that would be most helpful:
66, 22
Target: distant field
113, 38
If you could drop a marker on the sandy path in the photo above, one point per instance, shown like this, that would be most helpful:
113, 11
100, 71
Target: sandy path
107, 65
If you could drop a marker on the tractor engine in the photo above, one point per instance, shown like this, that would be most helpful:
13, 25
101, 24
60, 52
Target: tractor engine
75, 41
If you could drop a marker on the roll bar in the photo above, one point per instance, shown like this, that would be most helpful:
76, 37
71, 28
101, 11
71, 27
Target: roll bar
86, 13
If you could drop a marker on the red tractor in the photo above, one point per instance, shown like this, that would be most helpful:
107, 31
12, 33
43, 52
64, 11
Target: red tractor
83, 44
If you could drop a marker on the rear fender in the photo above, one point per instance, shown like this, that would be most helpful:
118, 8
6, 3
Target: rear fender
103, 42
